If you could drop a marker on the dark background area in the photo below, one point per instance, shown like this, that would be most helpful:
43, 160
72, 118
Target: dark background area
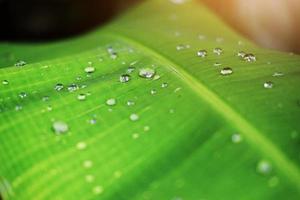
44, 20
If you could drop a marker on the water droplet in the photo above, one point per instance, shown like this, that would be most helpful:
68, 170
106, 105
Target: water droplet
45, 98
89, 69
59, 87
164, 85
73, 87
125, 78
135, 136
218, 51
241, 54
87, 164
130, 69
182, 47
226, 71
153, 91
81, 145
20, 63
268, 85
134, 117
111, 102
146, 73
264, 167
130, 103
236, 138
217, 64
81, 97
98, 190
93, 121
156, 77
18, 107
89, 178
249, 57
22, 95
202, 53
5, 82
278, 74
117, 174
146, 128
49, 108
60, 127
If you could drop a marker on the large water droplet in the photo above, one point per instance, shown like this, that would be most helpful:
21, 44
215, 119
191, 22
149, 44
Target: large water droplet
111, 102
134, 117
202, 53
60, 127
124, 78
264, 167
146, 73
268, 85
226, 71
59, 87
218, 51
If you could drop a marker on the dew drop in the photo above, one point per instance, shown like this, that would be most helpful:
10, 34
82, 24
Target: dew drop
134, 117
146, 73
87, 164
93, 121
73, 87
5, 82
45, 98
278, 74
241, 54
81, 145
89, 69
218, 51
130, 69
89, 178
264, 167
153, 91
18, 107
226, 71
156, 77
135, 136
124, 78
60, 127
22, 95
202, 53
130, 103
236, 138
182, 47
111, 102
217, 64
20, 63
164, 85
249, 57
268, 85
59, 87
98, 190
81, 97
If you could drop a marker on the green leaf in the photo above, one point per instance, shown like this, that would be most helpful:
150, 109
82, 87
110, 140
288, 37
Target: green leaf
189, 133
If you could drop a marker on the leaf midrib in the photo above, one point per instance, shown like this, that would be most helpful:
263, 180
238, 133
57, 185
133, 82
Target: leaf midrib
254, 136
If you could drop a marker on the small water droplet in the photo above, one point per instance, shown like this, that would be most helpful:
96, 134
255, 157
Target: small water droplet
18, 107
130, 69
5, 82
249, 57
264, 167
81, 97
22, 95
218, 51
153, 91
89, 178
87, 164
93, 121
164, 85
98, 190
241, 54
60, 127
59, 87
45, 98
156, 77
278, 74
135, 136
124, 78
146, 73
89, 69
134, 117
146, 128
73, 87
81, 145
20, 63
202, 53
182, 47
111, 102
226, 71
130, 103
217, 64
236, 138
268, 85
